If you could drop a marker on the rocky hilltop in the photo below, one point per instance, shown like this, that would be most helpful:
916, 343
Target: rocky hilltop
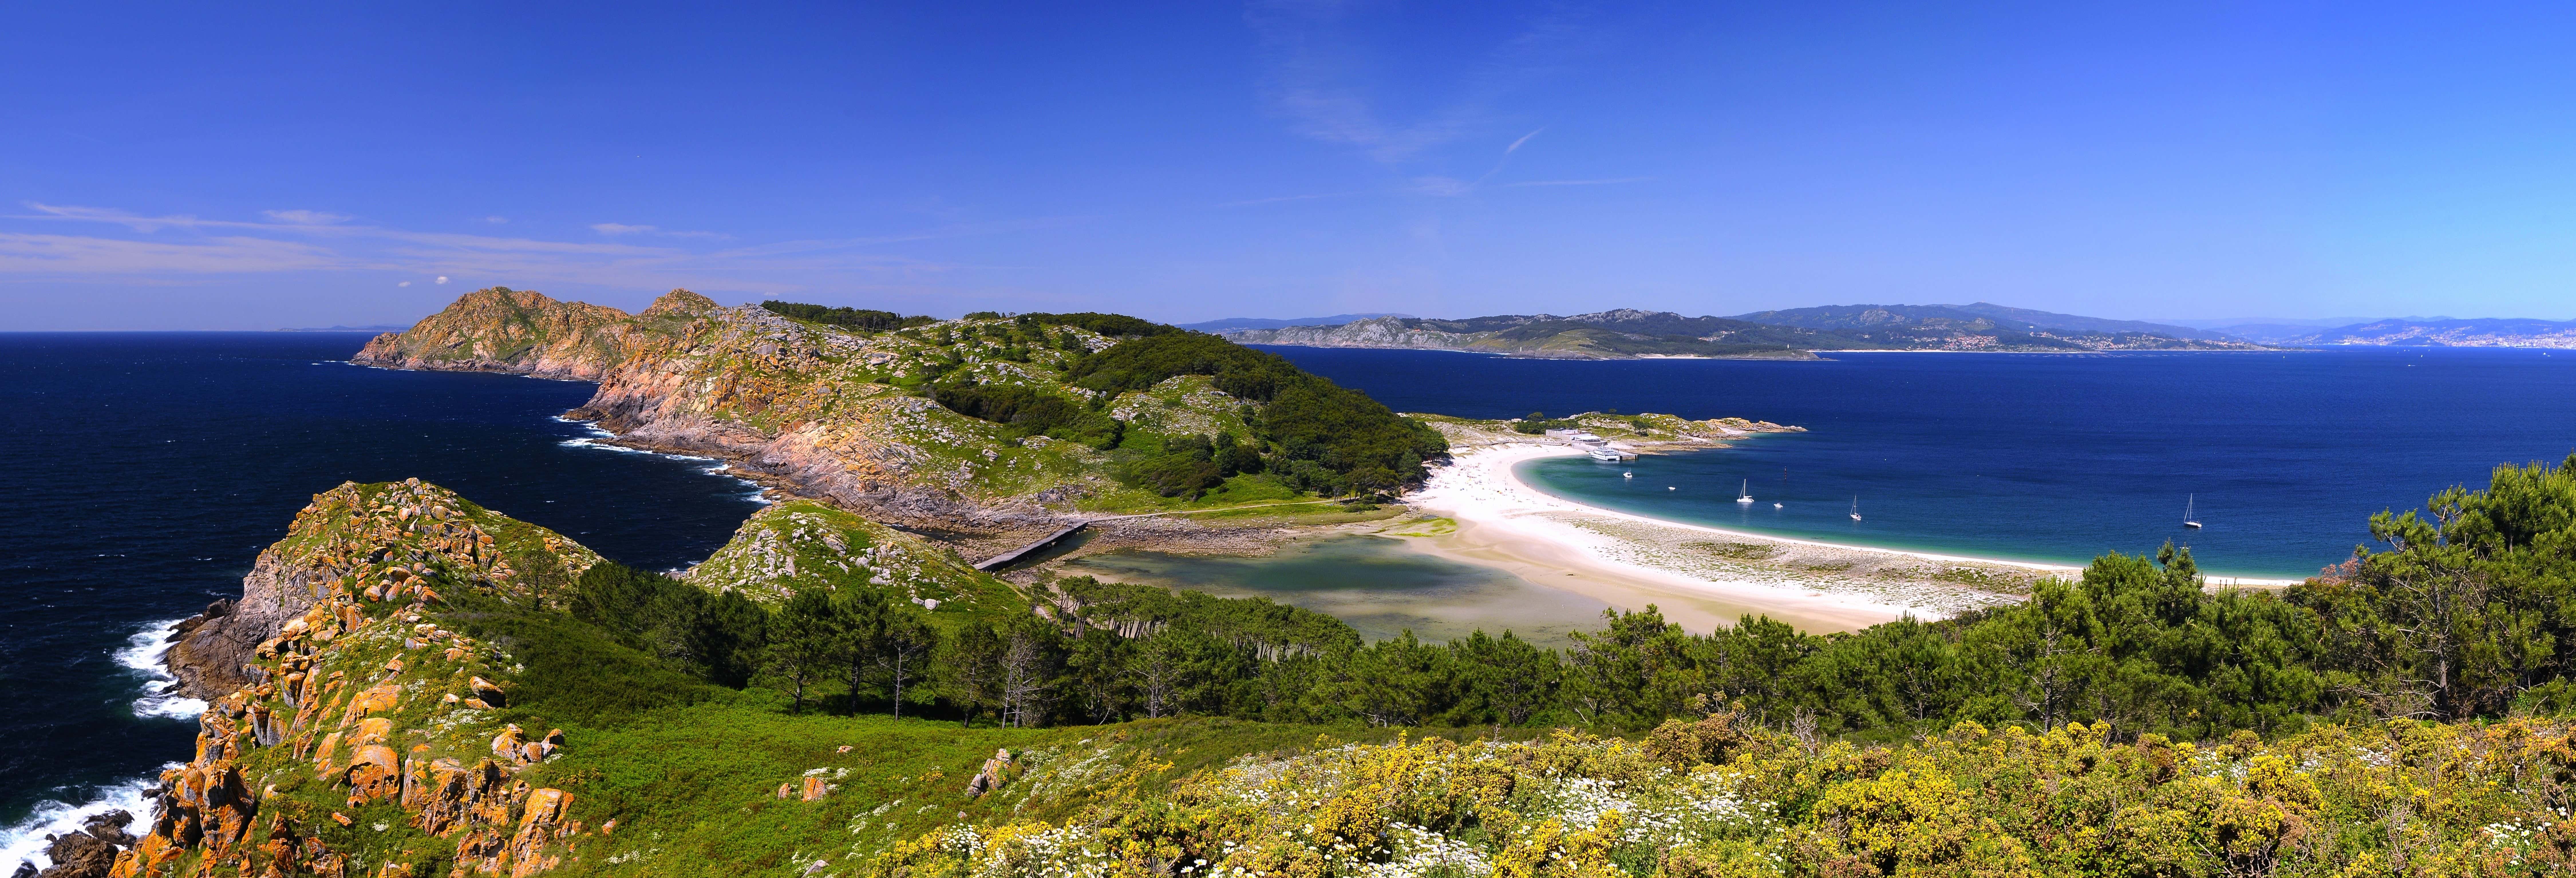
506, 330
848, 415
345, 696
332, 693
801, 544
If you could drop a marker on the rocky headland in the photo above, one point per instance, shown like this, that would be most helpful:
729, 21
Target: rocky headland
340, 692
799, 404
332, 692
833, 414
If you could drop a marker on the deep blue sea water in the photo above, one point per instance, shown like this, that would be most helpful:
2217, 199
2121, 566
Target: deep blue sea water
2038, 457
146, 471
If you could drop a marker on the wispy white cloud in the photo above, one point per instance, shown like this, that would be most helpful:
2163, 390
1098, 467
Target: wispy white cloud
958, 230
149, 224
1441, 187
55, 255
1601, 182
167, 248
624, 229
1320, 77
306, 217
496, 219
1280, 198
1516, 145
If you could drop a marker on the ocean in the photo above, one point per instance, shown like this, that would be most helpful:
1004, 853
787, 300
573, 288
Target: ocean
147, 471
2040, 457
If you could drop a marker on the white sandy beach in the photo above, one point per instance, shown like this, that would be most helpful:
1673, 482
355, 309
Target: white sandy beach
1699, 576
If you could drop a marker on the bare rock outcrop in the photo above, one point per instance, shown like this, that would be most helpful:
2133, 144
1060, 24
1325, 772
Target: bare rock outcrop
506, 330
79, 855
349, 697
996, 770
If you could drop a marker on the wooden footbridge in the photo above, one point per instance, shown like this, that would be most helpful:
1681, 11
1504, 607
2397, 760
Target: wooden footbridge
1022, 553
1015, 555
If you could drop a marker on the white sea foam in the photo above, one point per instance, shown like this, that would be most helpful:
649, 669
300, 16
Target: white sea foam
756, 493
25, 840
143, 655
598, 443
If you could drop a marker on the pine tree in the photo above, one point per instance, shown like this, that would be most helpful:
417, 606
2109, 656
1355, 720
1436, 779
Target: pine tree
809, 638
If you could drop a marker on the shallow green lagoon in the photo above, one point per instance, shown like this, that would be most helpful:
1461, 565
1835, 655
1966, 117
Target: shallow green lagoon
1373, 583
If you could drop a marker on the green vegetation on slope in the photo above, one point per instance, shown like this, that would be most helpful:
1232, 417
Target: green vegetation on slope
2032, 740
851, 318
1114, 325
1720, 798
1328, 438
1028, 411
2134, 642
1213, 411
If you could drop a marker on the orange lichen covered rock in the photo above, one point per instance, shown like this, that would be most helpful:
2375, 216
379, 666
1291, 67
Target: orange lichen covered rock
373, 774
343, 685
539, 826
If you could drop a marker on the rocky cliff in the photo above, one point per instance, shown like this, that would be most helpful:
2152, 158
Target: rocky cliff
822, 411
506, 330
348, 732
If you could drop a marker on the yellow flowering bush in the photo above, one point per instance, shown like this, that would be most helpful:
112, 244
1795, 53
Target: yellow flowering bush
1719, 799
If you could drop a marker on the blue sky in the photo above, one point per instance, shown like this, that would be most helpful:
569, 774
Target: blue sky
195, 167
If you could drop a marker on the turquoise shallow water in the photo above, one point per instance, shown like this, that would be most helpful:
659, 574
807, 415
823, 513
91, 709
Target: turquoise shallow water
1373, 583
2036, 457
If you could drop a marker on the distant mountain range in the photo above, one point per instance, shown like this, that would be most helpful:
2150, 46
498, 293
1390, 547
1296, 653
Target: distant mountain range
1790, 334
1955, 321
1275, 323
2447, 332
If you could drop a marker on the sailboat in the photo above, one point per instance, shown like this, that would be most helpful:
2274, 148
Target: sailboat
1784, 485
1855, 507
2189, 520
1742, 495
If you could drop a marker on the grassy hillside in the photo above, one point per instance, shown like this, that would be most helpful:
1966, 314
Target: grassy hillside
803, 545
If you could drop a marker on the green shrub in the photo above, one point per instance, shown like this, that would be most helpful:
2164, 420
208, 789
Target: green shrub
1029, 411
853, 318
1354, 442
1114, 325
